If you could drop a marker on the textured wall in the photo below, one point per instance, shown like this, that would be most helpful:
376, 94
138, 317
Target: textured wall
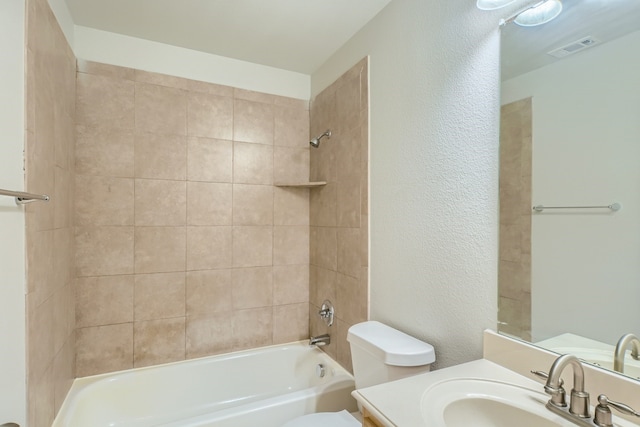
49, 166
339, 210
184, 246
514, 269
434, 169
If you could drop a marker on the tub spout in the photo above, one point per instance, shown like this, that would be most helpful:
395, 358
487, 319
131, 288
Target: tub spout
320, 340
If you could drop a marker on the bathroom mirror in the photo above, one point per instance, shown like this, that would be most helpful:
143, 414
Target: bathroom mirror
569, 278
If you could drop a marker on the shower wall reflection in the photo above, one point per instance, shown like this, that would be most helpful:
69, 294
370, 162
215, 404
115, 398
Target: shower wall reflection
514, 267
49, 169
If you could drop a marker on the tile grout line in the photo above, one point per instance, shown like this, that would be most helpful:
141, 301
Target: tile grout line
186, 220
135, 157
273, 180
233, 183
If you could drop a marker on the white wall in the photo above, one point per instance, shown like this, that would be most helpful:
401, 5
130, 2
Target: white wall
102, 46
586, 151
125, 51
12, 268
433, 170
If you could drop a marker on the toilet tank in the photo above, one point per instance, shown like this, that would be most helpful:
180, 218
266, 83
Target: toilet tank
381, 354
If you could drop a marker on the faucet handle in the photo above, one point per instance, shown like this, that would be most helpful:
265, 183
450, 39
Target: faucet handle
603, 413
327, 312
545, 376
558, 395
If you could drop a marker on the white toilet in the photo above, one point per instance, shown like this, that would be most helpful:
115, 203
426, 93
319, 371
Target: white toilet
379, 354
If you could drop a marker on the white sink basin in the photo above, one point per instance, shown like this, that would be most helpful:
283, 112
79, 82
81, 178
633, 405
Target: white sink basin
465, 402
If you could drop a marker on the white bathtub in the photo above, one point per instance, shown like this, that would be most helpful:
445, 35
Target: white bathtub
266, 386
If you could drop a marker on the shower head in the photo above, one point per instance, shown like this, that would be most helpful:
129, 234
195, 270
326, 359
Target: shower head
315, 142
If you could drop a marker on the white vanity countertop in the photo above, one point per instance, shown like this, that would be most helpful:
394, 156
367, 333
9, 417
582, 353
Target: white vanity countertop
398, 403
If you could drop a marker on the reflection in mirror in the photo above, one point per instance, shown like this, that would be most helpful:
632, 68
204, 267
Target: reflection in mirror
569, 279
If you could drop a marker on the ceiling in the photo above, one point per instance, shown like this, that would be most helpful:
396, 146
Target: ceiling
525, 48
294, 35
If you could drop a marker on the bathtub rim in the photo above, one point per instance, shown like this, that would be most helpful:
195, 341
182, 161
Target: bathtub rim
195, 360
81, 384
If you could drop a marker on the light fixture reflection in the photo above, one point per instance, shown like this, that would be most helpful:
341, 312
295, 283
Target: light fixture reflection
493, 4
540, 14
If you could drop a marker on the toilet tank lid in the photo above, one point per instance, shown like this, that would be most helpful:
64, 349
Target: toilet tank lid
394, 347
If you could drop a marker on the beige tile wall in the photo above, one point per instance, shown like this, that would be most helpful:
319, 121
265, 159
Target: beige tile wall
339, 210
184, 247
514, 266
49, 169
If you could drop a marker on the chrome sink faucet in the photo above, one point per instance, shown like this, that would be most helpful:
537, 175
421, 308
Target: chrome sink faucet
579, 401
578, 412
621, 349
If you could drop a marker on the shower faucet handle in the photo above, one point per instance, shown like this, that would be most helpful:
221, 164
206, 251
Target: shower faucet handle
327, 312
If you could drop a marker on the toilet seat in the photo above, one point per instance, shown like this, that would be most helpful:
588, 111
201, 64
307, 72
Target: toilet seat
325, 419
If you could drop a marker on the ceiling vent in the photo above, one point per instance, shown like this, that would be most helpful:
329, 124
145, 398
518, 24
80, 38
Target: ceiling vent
574, 47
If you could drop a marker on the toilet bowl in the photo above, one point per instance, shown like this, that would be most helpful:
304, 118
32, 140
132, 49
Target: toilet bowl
379, 354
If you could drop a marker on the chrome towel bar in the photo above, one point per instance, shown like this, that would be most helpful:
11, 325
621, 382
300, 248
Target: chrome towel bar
23, 198
614, 207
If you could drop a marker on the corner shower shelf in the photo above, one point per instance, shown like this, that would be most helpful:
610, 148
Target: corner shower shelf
301, 184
